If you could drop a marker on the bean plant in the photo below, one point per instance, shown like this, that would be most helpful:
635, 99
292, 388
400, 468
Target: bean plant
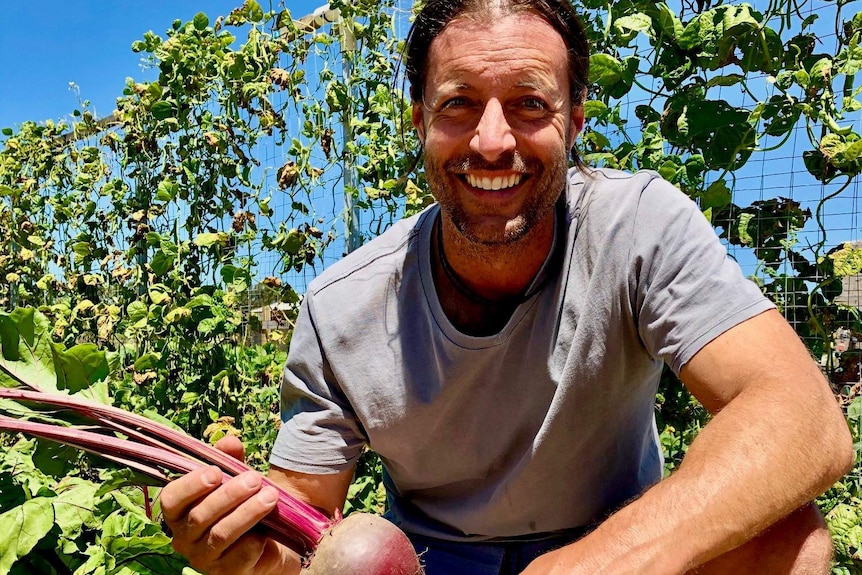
137, 245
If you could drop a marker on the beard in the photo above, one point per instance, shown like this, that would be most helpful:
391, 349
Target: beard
491, 225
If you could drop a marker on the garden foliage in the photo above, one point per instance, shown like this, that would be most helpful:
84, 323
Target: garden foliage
135, 245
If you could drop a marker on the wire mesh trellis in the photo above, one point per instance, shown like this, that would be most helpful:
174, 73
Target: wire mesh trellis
319, 198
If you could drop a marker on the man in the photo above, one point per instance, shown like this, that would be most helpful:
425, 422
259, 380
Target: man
501, 352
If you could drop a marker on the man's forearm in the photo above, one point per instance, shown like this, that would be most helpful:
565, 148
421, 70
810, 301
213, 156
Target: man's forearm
735, 481
777, 440
731, 486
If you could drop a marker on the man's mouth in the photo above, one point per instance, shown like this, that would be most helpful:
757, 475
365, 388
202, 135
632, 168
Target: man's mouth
494, 183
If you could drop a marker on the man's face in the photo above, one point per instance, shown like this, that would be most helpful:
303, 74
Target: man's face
497, 124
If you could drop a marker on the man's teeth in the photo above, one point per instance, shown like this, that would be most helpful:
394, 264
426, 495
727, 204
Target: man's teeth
497, 183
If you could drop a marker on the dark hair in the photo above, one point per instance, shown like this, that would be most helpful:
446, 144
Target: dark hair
437, 14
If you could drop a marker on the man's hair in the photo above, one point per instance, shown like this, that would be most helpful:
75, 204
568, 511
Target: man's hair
437, 14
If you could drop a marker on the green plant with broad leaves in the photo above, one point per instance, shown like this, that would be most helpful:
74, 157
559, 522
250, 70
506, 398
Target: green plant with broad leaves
145, 238
65, 512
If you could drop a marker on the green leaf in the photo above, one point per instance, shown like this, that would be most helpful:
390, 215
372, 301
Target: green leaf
82, 249
666, 23
147, 362
16, 326
162, 110
605, 70
637, 22
850, 60
821, 71
594, 108
79, 367
742, 228
647, 114
293, 241
201, 21
167, 190
113, 479
24, 526
34, 363
162, 263
18, 460
847, 261
137, 311
159, 295
716, 196
178, 314
210, 325
8, 131
74, 507
254, 11
671, 171
198, 301
725, 80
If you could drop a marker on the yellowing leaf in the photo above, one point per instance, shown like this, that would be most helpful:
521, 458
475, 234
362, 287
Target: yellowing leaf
178, 314
847, 261
159, 297
206, 240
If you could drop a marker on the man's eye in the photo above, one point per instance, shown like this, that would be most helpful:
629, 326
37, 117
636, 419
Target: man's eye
454, 103
534, 104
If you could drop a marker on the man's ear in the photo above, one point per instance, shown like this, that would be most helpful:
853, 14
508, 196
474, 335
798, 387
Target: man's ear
577, 123
418, 117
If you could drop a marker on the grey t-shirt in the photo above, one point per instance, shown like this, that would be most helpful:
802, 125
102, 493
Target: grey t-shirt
547, 425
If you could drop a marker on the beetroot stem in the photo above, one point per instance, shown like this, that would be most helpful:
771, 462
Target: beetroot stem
294, 523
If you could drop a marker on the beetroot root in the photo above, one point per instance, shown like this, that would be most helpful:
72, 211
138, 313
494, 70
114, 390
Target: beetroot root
364, 544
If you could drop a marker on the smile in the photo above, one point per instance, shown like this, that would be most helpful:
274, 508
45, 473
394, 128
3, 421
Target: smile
495, 183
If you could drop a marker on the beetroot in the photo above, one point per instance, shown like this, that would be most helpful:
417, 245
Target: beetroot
364, 544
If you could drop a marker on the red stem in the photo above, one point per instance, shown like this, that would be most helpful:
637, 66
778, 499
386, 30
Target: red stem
294, 523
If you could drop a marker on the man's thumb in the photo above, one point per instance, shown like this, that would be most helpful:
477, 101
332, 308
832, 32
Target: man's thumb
231, 445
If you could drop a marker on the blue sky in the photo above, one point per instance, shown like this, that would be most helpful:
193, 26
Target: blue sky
46, 44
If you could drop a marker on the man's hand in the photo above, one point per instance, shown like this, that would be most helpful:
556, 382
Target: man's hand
211, 522
593, 555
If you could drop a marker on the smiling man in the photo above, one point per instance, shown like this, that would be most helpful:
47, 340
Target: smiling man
501, 352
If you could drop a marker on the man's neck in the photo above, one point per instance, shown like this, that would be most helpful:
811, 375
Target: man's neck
501, 271
479, 286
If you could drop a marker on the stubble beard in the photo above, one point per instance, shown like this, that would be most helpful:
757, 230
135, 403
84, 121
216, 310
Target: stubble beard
546, 180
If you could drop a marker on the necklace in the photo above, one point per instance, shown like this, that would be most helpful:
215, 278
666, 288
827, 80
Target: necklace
462, 288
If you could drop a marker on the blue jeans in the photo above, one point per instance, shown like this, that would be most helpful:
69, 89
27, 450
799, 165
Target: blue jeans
441, 557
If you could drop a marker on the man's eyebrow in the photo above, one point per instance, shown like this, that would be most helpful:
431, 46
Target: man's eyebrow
443, 90
453, 86
535, 84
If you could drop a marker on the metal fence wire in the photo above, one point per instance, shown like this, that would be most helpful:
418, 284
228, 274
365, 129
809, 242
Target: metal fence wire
777, 173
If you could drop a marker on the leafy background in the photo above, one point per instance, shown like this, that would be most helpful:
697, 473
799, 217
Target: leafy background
146, 238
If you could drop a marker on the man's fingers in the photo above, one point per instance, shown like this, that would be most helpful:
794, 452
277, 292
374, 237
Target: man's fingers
212, 509
232, 446
179, 495
230, 528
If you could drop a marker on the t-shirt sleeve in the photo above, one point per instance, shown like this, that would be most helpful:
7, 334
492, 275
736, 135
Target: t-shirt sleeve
319, 432
689, 291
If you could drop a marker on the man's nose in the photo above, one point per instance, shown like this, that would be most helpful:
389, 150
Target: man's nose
493, 136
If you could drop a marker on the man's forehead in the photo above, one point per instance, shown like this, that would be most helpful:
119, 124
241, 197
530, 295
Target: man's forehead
528, 80
516, 51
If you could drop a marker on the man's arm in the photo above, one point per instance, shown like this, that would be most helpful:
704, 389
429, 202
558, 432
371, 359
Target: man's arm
211, 524
776, 441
